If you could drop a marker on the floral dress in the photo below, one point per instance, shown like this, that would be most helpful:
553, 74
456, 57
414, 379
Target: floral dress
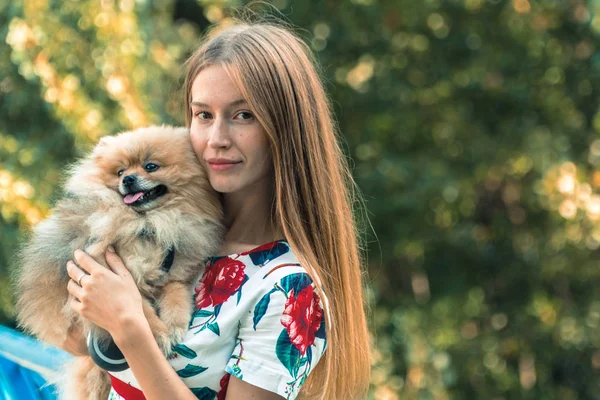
257, 317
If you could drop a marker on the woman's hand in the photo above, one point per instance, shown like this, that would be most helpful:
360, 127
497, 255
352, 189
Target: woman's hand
108, 297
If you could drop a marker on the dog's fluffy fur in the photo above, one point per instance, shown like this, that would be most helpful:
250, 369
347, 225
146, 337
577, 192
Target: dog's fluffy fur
93, 214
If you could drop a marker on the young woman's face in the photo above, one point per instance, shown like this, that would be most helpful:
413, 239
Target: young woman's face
226, 136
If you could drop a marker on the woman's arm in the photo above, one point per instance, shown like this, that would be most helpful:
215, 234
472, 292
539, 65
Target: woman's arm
238, 389
153, 372
160, 381
111, 300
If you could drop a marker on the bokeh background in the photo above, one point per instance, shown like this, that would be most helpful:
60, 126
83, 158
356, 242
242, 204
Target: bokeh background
474, 132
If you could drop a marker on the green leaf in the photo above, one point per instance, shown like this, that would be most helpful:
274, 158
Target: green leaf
185, 351
297, 281
261, 307
320, 333
191, 370
239, 292
287, 353
235, 371
204, 393
215, 328
217, 309
264, 256
203, 313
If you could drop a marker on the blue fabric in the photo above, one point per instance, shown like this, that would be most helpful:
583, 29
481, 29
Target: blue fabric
20, 358
20, 383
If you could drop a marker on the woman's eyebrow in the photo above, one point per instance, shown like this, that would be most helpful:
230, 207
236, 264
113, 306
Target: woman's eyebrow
232, 104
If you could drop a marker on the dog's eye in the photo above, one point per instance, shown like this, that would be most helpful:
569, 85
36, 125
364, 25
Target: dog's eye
151, 167
121, 172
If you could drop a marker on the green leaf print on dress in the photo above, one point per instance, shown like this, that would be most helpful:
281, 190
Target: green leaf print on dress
202, 313
204, 393
265, 253
191, 370
185, 351
288, 354
297, 282
261, 307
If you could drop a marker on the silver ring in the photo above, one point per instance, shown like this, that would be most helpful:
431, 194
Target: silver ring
80, 278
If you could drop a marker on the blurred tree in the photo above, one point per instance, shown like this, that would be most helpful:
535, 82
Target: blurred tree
472, 126
72, 72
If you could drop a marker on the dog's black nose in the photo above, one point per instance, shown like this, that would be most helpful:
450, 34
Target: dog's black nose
128, 180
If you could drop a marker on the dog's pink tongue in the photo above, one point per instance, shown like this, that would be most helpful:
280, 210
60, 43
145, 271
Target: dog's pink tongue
132, 198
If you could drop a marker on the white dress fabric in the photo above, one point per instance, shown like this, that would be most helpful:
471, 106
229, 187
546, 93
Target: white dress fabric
257, 317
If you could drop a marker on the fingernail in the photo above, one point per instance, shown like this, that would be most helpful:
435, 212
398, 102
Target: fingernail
111, 249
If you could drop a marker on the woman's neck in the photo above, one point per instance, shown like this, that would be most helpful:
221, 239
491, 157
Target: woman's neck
248, 220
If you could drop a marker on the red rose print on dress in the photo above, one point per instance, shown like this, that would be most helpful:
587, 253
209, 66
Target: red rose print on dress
223, 384
302, 318
220, 280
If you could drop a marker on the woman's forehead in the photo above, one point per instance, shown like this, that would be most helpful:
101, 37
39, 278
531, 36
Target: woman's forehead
214, 86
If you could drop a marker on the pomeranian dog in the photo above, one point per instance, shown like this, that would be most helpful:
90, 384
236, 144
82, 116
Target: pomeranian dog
145, 193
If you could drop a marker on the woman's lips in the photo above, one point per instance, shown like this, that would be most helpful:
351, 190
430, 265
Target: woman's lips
222, 164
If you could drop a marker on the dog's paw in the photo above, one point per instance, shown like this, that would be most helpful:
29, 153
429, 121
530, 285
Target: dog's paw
176, 334
164, 343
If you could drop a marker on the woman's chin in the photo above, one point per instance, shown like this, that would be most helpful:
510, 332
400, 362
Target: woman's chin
224, 186
255, 183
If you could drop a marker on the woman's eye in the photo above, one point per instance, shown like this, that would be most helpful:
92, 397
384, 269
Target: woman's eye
245, 115
151, 167
120, 172
203, 115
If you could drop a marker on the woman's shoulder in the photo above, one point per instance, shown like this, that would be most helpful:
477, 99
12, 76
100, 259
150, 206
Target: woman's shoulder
281, 272
273, 262
256, 268
264, 259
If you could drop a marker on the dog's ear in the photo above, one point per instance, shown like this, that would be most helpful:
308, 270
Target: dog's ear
105, 140
101, 147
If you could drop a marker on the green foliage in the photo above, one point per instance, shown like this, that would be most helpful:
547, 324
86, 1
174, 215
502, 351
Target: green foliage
472, 126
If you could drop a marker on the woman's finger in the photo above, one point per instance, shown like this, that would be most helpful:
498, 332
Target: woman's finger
86, 262
75, 289
75, 273
116, 263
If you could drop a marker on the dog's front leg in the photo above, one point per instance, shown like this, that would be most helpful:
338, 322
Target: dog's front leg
175, 309
159, 329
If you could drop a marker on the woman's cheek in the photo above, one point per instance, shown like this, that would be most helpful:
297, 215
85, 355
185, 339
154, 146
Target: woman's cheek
198, 144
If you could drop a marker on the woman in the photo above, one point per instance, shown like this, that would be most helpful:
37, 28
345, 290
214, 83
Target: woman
260, 122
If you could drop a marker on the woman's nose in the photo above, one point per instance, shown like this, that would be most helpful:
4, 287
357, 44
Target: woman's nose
219, 134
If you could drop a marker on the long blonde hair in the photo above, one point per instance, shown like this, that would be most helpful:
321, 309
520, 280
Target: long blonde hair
313, 191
